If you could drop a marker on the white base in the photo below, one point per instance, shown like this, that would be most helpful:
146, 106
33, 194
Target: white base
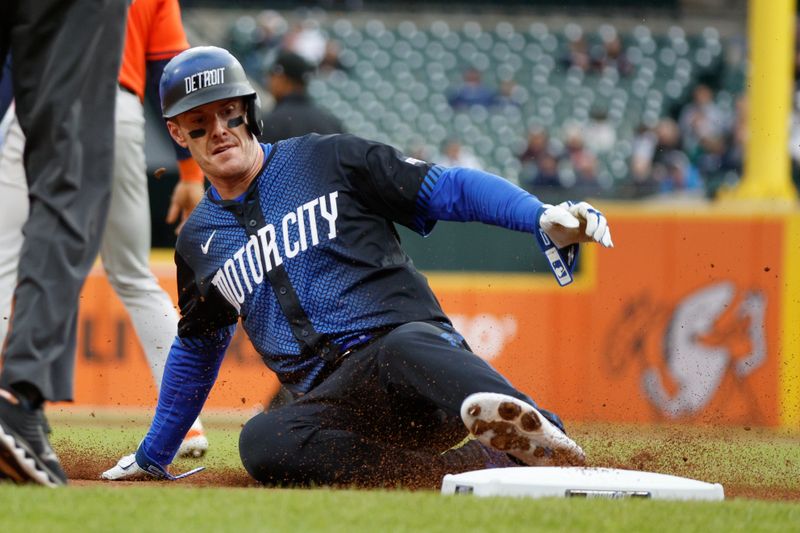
581, 482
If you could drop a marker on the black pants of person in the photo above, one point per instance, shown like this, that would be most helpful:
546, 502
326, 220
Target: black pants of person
382, 418
65, 62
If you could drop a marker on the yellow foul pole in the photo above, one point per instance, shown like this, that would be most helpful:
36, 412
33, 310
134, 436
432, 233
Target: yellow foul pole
769, 83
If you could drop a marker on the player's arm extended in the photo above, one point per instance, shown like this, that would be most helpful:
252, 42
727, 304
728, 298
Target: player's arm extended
464, 194
417, 194
204, 334
191, 370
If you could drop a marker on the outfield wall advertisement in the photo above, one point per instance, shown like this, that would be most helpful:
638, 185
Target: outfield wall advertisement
689, 319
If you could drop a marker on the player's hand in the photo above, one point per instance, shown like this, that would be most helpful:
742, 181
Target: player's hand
139, 466
126, 469
594, 223
185, 196
568, 223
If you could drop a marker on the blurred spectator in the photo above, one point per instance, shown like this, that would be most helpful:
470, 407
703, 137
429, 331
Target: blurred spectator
674, 173
540, 160
577, 54
330, 60
251, 39
510, 94
611, 54
272, 26
546, 173
472, 92
600, 134
643, 148
734, 66
456, 155
581, 160
538, 146
672, 170
733, 161
585, 167
306, 40
295, 114
574, 144
709, 159
701, 119
705, 129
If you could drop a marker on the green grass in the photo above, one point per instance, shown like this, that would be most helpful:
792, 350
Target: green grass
193, 509
758, 459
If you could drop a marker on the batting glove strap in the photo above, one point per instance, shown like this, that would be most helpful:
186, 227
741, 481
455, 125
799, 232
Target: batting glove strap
561, 260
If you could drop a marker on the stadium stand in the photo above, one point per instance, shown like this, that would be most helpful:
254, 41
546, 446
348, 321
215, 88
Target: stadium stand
605, 96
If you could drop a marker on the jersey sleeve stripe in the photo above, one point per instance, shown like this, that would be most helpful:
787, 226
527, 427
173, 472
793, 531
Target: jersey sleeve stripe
421, 222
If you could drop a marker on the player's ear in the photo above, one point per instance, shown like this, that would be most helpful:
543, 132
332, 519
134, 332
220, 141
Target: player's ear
176, 134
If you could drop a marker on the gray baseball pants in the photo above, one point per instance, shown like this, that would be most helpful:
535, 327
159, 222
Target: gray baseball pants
65, 57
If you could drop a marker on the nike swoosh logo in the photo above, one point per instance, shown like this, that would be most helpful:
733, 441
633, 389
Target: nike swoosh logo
204, 247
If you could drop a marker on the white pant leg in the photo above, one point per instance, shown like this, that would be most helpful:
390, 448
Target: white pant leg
126, 244
13, 214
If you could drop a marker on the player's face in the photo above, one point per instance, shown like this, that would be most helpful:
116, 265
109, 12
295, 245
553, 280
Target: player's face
217, 137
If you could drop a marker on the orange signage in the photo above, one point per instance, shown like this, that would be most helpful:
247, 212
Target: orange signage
679, 322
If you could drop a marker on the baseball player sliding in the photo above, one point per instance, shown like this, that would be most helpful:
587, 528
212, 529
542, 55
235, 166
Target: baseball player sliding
297, 240
154, 34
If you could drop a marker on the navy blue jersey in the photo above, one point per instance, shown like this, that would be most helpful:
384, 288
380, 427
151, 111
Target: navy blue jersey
319, 219
323, 207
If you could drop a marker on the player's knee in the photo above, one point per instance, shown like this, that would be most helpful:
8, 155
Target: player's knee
266, 448
256, 445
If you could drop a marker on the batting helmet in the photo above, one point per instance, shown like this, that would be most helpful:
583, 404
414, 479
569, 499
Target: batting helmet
206, 74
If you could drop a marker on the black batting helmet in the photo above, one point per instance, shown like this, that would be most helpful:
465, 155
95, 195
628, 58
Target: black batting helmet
206, 74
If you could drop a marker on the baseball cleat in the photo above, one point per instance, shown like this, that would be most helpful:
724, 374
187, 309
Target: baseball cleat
517, 428
195, 443
25, 452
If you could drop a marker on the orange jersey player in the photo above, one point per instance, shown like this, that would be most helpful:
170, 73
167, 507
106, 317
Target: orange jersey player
153, 36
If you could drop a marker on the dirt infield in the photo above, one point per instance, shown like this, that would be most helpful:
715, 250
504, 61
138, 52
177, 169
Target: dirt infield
750, 462
665, 456
87, 473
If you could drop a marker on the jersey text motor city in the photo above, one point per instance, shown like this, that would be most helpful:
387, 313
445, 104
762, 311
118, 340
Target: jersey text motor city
246, 269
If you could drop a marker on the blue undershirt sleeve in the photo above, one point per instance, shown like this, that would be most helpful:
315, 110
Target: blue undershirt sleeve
189, 374
466, 195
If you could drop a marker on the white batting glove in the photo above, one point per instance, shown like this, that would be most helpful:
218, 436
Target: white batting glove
139, 466
568, 223
125, 469
596, 224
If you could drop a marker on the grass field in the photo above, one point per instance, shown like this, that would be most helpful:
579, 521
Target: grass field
759, 469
